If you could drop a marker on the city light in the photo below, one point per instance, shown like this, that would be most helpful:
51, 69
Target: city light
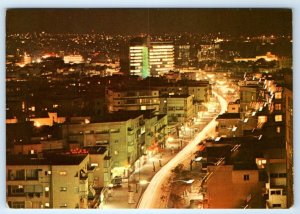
167, 116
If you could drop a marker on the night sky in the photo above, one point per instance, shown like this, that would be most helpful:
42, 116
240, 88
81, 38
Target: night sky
153, 21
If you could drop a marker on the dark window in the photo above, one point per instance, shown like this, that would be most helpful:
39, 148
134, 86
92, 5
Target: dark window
276, 205
282, 175
274, 175
246, 177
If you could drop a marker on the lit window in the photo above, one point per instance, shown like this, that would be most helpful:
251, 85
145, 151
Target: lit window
278, 118
143, 107
46, 189
278, 129
47, 172
94, 164
262, 119
62, 173
63, 189
278, 95
47, 204
64, 205
278, 106
116, 152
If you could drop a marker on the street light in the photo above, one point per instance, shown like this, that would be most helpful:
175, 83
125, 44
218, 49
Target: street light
153, 164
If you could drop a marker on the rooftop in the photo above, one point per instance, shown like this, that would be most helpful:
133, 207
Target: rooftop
229, 116
96, 150
51, 159
176, 96
117, 116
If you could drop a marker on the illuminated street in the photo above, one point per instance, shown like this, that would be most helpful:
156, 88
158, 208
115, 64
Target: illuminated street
152, 195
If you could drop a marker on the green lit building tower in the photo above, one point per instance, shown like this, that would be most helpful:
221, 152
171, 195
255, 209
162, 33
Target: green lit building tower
139, 57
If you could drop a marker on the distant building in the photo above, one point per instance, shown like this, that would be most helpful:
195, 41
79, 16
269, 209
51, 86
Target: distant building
161, 58
150, 58
268, 57
139, 57
207, 52
182, 56
76, 59
132, 98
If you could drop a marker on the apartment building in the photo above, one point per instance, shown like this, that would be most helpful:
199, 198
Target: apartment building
120, 132
132, 98
179, 108
55, 181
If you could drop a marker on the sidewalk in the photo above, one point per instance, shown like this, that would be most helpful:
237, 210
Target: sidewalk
121, 198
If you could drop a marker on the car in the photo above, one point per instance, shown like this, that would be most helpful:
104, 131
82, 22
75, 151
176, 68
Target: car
117, 181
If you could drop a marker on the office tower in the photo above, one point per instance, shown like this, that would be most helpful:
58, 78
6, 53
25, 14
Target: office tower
139, 57
161, 57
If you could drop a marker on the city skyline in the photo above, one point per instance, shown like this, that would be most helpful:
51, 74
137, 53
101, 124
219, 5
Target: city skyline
152, 21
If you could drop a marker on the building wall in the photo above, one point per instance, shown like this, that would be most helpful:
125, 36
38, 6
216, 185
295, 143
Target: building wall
102, 173
30, 199
233, 108
27, 149
139, 60
289, 145
247, 95
121, 138
161, 58
224, 128
67, 186
228, 188
139, 99
178, 109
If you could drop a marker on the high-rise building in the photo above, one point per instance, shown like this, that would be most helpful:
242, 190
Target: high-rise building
155, 58
139, 57
161, 58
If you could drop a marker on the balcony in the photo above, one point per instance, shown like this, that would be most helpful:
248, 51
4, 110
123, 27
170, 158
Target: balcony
142, 122
83, 175
130, 131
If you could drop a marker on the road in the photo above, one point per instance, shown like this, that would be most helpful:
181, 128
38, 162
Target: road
152, 196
